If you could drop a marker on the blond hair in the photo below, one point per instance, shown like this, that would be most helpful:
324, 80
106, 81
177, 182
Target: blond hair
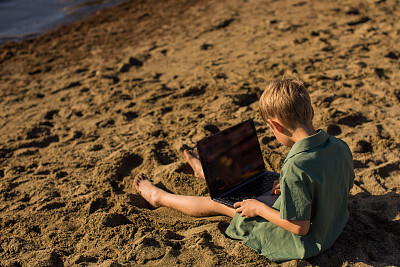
287, 100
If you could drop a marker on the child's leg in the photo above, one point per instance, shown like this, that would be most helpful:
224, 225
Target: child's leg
190, 205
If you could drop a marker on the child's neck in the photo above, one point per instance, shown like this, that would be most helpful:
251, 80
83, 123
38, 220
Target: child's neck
303, 131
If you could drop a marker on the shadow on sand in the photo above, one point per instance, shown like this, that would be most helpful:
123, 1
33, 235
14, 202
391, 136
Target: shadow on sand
371, 235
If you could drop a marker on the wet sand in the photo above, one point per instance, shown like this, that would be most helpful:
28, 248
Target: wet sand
87, 107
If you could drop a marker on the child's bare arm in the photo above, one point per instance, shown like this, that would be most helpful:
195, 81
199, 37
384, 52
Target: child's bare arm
251, 208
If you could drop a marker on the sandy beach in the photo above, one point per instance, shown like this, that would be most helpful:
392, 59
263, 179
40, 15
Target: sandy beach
87, 107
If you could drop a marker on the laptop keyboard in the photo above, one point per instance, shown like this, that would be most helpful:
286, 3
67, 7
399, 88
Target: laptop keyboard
252, 189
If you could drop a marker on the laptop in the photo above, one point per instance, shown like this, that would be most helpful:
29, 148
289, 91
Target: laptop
234, 167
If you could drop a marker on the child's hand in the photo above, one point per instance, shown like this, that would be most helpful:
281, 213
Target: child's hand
247, 207
276, 188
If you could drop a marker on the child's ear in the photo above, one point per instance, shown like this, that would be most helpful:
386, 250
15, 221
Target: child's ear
274, 124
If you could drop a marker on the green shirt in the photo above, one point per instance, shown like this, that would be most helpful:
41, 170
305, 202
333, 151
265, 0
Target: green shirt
315, 181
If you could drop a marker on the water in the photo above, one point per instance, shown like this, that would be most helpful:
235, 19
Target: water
21, 19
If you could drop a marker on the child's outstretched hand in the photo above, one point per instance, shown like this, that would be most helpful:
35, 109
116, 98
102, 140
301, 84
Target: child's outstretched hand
276, 189
247, 208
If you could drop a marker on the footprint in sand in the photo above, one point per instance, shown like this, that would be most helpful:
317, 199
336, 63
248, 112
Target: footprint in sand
352, 119
114, 219
363, 146
113, 169
163, 154
195, 90
96, 204
130, 115
244, 100
334, 129
213, 129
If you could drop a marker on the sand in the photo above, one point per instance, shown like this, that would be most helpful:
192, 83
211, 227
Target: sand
87, 107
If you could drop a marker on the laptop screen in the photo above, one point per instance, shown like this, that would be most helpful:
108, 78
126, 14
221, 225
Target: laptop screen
230, 157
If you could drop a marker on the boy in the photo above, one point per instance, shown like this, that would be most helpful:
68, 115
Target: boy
311, 210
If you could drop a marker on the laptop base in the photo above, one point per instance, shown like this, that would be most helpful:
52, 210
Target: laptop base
265, 198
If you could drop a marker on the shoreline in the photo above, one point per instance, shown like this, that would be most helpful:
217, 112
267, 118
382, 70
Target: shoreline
24, 26
88, 106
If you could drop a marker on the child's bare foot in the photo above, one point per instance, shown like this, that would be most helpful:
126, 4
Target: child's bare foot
194, 162
148, 190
